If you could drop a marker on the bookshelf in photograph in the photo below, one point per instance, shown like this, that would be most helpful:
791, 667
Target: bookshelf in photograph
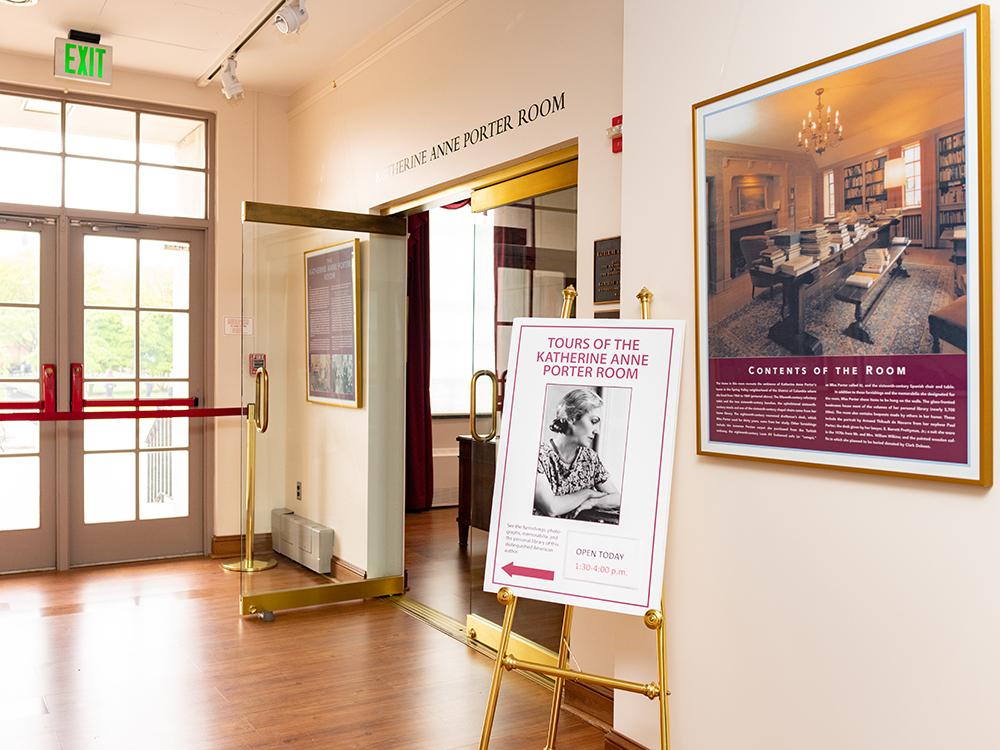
951, 181
875, 190
854, 187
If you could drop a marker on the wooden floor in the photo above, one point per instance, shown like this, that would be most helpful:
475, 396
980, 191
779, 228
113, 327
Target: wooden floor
153, 656
442, 575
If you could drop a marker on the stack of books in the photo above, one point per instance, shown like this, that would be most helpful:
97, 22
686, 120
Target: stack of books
816, 242
862, 279
876, 260
780, 245
838, 231
797, 263
860, 230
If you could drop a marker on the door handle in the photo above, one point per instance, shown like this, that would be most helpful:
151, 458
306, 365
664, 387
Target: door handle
493, 406
261, 401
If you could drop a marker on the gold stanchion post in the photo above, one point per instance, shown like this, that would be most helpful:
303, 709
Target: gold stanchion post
257, 421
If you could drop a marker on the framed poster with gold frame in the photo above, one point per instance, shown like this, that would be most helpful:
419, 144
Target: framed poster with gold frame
853, 331
333, 324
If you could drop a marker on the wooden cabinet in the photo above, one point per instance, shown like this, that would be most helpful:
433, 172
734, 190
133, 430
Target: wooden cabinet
477, 464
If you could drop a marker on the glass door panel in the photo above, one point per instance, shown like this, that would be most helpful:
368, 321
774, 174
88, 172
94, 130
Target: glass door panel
525, 261
27, 340
291, 475
138, 488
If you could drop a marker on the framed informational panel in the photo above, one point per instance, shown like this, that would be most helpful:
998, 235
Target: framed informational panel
852, 330
582, 490
333, 333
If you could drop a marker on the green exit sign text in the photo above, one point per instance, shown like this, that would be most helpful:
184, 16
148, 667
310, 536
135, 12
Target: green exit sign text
82, 61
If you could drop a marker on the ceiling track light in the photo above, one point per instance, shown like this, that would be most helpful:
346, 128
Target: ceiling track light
291, 17
231, 86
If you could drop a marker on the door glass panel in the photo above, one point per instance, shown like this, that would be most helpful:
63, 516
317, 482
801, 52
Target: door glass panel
32, 124
108, 434
19, 342
173, 141
108, 390
100, 131
100, 185
527, 261
163, 483
20, 506
108, 487
164, 274
39, 179
18, 391
170, 389
171, 192
20, 267
163, 433
109, 343
163, 344
18, 438
108, 271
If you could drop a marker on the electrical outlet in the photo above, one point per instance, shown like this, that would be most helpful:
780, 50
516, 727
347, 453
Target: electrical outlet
298, 491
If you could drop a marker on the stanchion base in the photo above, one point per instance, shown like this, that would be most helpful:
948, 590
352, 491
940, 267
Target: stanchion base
256, 566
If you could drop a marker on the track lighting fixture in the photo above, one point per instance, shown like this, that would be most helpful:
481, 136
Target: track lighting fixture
291, 17
231, 86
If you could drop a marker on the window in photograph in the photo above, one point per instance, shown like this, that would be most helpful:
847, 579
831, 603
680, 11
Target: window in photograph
829, 205
911, 175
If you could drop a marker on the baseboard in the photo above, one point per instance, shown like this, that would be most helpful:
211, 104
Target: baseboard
593, 703
615, 741
230, 545
345, 571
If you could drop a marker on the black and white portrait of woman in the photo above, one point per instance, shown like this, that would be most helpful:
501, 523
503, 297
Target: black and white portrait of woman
574, 480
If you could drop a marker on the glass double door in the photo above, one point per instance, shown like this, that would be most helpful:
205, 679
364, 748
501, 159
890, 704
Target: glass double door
117, 311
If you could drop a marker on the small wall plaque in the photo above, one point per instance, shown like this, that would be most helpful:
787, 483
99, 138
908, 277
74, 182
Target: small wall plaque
607, 270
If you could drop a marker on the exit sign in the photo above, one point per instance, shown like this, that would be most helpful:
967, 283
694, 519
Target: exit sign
82, 61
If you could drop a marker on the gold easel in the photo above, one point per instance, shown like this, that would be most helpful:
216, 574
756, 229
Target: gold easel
653, 619
257, 414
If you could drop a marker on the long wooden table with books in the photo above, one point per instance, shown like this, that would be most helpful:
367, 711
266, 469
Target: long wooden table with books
859, 296
827, 277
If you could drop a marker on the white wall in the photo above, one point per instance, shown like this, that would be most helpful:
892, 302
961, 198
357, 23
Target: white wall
251, 164
807, 608
480, 61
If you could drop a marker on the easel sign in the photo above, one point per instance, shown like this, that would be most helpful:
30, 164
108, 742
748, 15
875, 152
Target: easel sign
582, 491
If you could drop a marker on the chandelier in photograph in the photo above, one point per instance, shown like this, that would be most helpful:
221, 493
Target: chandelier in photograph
820, 129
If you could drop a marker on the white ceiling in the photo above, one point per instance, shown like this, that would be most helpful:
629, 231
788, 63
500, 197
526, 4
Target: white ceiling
881, 102
187, 38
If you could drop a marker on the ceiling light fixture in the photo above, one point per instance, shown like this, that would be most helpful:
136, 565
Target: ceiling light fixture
22, 3
820, 130
291, 17
231, 86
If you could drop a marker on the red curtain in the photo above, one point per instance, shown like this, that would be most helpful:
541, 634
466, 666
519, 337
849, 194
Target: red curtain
419, 452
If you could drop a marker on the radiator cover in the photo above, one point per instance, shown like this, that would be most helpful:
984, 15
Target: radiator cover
302, 540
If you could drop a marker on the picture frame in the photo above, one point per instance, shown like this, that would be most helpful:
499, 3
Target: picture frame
890, 373
332, 300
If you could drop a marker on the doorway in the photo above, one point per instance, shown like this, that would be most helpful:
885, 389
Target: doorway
119, 328
509, 260
102, 309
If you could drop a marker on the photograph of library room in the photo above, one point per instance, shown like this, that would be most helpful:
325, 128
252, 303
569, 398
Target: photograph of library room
836, 212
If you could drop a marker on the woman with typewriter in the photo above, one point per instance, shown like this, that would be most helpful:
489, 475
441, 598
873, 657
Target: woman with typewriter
572, 481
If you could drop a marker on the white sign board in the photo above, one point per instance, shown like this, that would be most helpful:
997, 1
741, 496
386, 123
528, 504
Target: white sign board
582, 491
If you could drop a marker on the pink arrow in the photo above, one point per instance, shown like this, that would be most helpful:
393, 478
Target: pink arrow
516, 570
